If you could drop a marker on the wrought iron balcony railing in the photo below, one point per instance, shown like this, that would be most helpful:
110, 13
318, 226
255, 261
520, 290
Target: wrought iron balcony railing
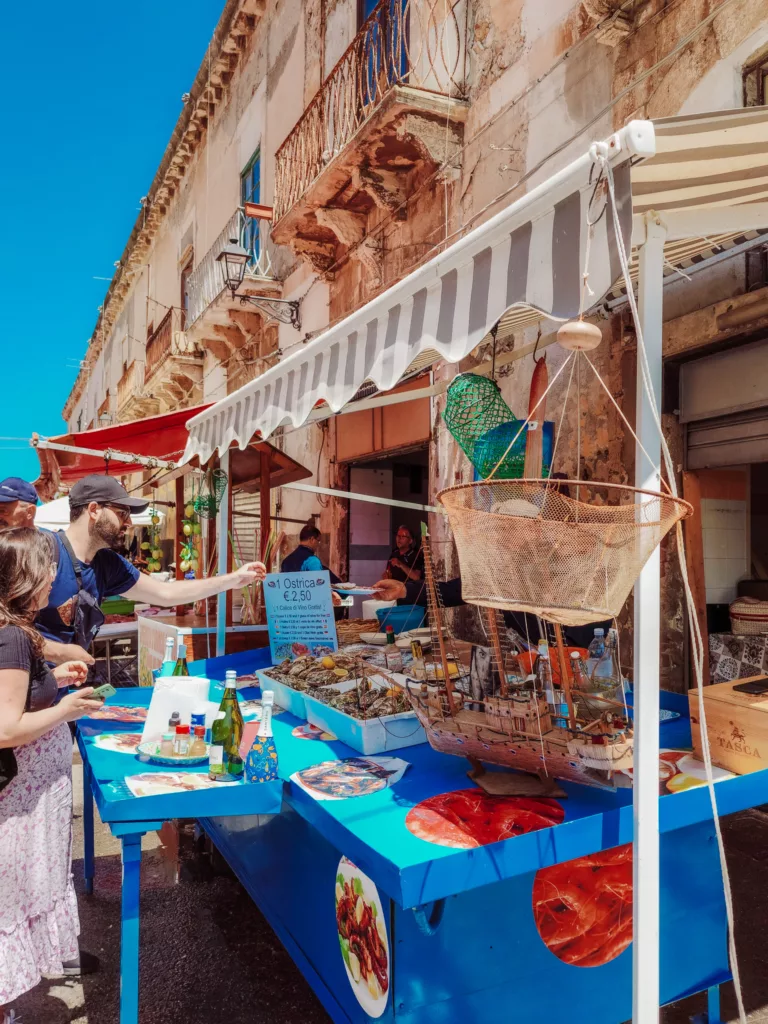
130, 384
168, 339
418, 43
206, 282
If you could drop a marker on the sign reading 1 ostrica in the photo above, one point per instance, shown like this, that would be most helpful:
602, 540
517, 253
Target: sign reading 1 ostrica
299, 614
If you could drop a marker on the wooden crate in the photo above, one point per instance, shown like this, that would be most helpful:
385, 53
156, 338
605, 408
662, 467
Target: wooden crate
737, 726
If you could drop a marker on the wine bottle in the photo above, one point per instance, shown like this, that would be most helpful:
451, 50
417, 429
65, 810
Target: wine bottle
180, 668
261, 765
169, 663
225, 762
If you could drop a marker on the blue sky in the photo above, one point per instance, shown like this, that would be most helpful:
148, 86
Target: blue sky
96, 92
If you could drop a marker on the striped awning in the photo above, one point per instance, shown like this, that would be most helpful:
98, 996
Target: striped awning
705, 175
706, 163
531, 254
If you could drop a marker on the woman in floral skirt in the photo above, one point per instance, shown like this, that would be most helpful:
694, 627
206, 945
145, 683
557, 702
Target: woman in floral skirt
38, 910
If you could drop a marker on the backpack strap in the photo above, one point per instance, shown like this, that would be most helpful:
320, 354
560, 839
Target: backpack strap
75, 560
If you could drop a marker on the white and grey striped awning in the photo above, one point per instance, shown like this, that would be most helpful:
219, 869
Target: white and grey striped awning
705, 175
531, 254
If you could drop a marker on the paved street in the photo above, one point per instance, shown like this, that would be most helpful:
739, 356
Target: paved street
206, 946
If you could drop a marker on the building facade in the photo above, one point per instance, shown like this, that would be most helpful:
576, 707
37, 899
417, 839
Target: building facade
366, 137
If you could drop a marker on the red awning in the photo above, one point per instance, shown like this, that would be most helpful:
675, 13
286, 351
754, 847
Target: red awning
161, 437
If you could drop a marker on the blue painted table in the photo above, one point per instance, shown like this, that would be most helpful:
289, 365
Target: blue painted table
130, 817
460, 923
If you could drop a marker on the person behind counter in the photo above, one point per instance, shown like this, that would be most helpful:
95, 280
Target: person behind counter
88, 570
304, 558
38, 908
406, 562
18, 501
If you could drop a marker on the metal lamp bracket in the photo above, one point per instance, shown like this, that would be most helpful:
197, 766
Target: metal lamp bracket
284, 311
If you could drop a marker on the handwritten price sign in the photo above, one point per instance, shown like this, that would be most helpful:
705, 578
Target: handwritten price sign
299, 614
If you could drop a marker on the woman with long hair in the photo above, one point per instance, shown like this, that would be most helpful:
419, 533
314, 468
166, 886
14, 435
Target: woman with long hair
38, 910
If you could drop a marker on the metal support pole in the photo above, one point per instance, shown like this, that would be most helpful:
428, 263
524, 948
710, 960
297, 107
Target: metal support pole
89, 868
223, 536
129, 930
645, 951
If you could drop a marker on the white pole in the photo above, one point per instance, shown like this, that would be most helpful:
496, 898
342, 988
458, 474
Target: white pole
645, 951
223, 541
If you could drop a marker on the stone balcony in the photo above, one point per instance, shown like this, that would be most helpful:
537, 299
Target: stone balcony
215, 320
133, 403
389, 117
173, 367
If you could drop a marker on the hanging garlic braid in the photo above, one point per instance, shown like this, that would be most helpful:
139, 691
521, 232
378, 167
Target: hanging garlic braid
26, 556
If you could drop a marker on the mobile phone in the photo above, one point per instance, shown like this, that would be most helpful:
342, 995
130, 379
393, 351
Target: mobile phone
102, 692
759, 686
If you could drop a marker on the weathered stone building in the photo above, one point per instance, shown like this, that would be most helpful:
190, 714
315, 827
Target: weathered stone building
378, 134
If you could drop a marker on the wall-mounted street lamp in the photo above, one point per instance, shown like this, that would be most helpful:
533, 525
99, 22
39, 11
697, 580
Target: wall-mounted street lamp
233, 260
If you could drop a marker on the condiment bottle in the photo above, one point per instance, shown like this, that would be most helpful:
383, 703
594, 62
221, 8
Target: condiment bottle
392, 656
173, 721
197, 747
224, 757
181, 743
261, 765
418, 668
197, 718
166, 744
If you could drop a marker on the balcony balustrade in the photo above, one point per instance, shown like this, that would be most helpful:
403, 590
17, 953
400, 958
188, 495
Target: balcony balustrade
408, 58
206, 282
173, 368
132, 401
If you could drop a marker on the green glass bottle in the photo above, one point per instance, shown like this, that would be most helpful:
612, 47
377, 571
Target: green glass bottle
180, 668
225, 762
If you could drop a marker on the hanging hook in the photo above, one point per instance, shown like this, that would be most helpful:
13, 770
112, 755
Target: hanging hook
536, 346
494, 331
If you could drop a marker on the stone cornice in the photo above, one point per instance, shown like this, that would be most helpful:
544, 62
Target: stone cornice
237, 24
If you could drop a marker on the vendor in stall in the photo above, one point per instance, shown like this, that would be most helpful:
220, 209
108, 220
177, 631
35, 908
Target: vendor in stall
406, 562
304, 558
88, 570
18, 501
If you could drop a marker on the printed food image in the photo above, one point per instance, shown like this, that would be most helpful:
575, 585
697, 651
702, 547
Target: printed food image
312, 732
119, 742
120, 713
354, 776
680, 770
583, 907
362, 937
469, 818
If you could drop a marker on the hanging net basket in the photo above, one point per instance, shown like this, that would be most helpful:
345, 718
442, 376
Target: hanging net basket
525, 545
483, 425
208, 501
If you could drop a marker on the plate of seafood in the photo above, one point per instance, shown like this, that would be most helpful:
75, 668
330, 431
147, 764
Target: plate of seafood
363, 940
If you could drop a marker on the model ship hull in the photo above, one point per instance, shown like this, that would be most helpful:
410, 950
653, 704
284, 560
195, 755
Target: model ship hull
555, 754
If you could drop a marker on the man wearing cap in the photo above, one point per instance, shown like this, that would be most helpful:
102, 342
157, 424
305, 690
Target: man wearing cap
18, 500
88, 570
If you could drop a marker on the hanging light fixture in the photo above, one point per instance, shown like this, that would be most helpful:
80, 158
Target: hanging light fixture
233, 259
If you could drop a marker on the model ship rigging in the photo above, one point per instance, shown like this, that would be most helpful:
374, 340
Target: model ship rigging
525, 545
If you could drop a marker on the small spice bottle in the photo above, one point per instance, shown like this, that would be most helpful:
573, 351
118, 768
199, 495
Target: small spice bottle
181, 742
166, 744
197, 747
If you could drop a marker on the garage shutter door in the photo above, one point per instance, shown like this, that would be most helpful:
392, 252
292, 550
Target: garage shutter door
729, 440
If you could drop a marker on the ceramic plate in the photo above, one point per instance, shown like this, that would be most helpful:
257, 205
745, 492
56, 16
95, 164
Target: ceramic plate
374, 638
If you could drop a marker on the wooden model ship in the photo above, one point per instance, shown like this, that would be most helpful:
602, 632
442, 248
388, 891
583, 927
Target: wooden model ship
571, 736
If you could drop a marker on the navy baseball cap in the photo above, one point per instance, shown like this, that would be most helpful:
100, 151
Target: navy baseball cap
105, 490
13, 488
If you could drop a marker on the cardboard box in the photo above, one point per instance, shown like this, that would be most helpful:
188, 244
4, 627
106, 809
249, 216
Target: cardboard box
737, 726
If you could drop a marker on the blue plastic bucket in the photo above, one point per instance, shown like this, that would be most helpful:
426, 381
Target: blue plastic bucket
401, 617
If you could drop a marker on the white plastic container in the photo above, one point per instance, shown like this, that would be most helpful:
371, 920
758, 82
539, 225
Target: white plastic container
285, 696
368, 736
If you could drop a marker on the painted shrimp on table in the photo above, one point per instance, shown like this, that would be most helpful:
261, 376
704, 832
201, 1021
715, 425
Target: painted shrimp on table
583, 907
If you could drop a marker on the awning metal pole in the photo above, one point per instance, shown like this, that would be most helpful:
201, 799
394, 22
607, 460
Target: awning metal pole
223, 542
647, 632
364, 497
105, 453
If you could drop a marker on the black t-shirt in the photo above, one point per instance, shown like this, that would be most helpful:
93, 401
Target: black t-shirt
413, 558
16, 651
